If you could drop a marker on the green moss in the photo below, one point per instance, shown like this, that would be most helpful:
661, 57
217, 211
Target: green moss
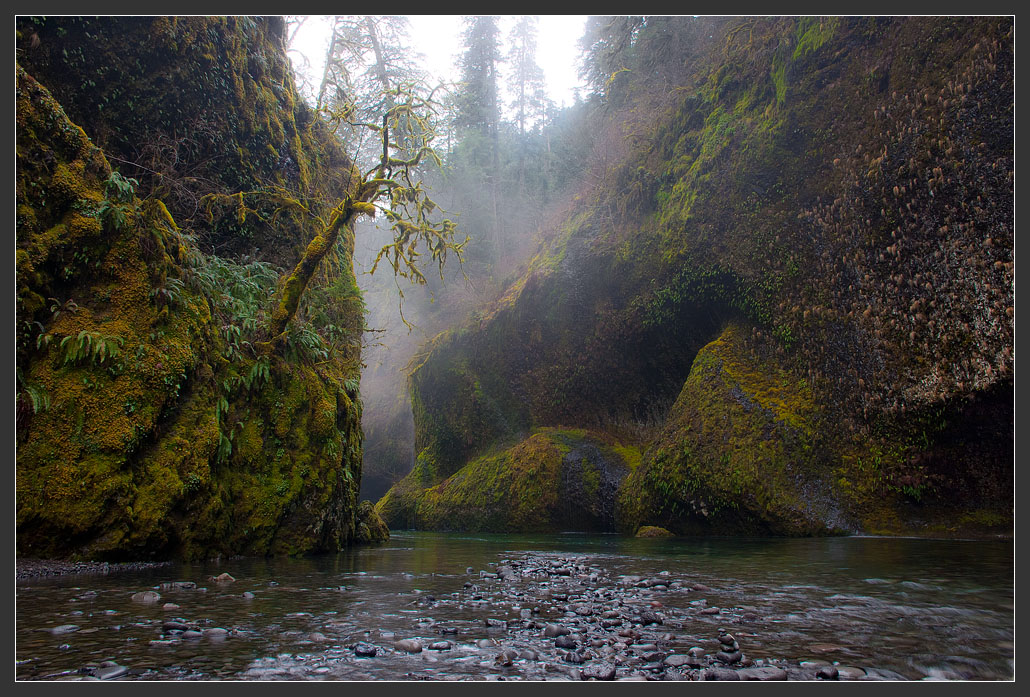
167, 441
531, 486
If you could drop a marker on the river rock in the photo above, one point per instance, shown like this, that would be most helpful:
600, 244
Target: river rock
722, 674
110, 672
147, 597
728, 656
882, 674
763, 674
553, 630
64, 629
440, 646
363, 650
565, 641
647, 617
850, 673
409, 645
678, 660
169, 606
223, 577
599, 671
174, 625
216, 632
827, 673
573, 657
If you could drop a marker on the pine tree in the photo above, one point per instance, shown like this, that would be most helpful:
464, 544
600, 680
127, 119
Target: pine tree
478, 110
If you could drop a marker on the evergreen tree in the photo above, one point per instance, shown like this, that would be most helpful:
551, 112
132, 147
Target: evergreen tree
477, 117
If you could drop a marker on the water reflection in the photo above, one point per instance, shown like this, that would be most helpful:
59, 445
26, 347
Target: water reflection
917, 607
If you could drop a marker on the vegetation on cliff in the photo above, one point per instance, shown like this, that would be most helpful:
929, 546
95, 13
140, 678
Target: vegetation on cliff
149, 423
825, 205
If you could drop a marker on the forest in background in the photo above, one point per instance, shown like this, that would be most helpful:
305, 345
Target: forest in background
511, 161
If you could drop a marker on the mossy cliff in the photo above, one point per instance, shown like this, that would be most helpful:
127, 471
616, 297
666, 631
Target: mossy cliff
792, 291
147, 424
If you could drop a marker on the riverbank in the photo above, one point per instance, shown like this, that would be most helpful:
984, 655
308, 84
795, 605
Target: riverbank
26, 569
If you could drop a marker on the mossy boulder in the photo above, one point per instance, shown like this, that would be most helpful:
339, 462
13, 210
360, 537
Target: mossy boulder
371, 527
553, 480
653, 531
739, 453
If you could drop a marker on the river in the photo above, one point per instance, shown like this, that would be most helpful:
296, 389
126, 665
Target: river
478, 605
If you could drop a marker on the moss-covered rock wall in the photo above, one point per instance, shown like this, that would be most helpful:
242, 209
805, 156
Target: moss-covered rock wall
148, 423
789, 290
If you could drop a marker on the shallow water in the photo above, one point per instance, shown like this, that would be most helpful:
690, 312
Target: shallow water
919, 608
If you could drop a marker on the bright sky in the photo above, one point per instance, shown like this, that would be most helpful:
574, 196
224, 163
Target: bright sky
438, 38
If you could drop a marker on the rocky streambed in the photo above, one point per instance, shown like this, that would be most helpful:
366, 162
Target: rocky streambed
528, 615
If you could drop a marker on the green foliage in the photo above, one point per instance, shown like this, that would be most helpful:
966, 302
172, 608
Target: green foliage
119, 202
85, 347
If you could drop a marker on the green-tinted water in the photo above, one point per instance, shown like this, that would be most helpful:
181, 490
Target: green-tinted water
920, 608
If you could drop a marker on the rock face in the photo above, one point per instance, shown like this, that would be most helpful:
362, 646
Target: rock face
147, 424
794, 296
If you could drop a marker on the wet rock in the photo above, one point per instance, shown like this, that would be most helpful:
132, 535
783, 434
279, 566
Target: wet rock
599, 671
110, 672
850, 673
169, 625
827, 673
679, 660
408, 645
574, 657
675, 675
553, 630
764, 674
882, 674
223, 577
565, 642
248, 595
653, 656
216, 632
722, 674
440, 646
506, 657
147, 597
529, 655
647, 617
64, 629
728, 657
364, 650
169, 606
491, 622
192, 634
317, 636
178, 585
696, 651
